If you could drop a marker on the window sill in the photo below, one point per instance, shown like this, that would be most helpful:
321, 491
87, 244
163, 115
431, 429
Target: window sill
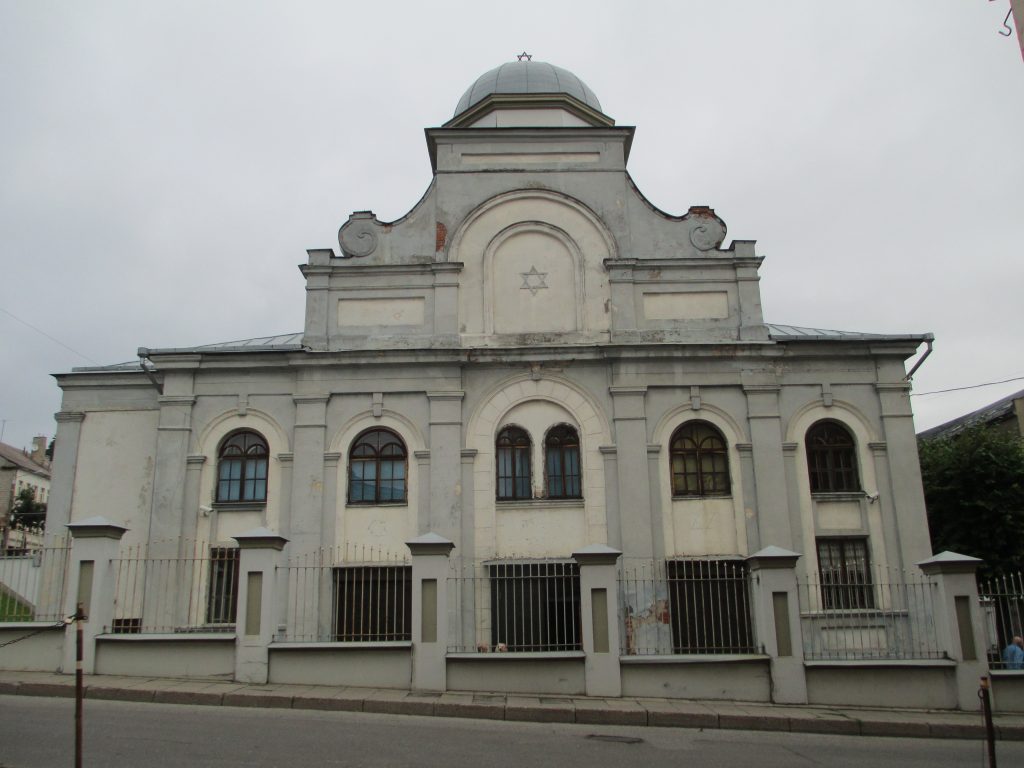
239, 506
340, 645
189, 636
838, 495
375, 504
693, 658
702, 498
862, 663
515, 655
509, 504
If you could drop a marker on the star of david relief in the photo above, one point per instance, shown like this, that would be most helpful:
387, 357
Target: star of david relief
533, 281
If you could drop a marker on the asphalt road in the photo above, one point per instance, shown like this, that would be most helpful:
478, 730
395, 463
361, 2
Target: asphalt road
38, 732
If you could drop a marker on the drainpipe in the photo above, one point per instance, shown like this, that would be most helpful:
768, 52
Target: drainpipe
929, 340
143, 354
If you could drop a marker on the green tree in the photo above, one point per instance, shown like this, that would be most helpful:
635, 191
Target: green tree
974, 492
28, 511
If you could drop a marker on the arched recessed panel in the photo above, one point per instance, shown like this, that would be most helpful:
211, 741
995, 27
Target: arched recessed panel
534, 284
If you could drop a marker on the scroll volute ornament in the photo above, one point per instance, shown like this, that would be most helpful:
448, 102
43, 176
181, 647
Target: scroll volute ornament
707, 231
360, 235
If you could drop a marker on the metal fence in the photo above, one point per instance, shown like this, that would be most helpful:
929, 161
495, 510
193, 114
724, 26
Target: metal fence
1002, 605
348, 594
873, 614
194, 592
33, 581
694, 606
514, 606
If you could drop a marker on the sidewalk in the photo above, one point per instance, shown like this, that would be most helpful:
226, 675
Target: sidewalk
941, 724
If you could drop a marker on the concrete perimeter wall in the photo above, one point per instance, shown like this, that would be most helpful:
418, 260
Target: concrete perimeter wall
741, 680
365, 667
499, 672
1008, 691
930, 687
146, 656
42, 653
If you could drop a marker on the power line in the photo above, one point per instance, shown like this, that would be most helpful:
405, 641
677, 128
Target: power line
972, 386
51, 338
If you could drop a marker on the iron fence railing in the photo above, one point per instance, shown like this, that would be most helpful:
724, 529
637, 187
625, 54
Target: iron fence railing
692, 606
876, 614
191, 592
33, 580
1002, 605
348, 594
514, 606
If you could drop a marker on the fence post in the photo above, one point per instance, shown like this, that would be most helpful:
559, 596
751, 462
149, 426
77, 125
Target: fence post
430, 554
599, 615
776, 605
959, 624
255, 617
91, 582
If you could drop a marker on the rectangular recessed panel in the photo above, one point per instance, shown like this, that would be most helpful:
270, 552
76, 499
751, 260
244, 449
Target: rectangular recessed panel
965, 627
253, 603
599, 608
85, 573
376, 312
783, 637
504, 158
428, 630
690, 305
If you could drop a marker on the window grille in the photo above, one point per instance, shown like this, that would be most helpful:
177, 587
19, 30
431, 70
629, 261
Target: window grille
845, 573
372, 603
222, 594
709, 607
535, 606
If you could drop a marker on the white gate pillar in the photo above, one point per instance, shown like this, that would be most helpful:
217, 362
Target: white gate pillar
430, 554
255, 614
599, 615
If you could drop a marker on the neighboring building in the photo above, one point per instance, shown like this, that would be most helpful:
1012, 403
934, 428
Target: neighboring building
1006, 415
533, 361
19, 470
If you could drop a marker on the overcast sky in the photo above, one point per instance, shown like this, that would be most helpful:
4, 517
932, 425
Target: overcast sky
165, 165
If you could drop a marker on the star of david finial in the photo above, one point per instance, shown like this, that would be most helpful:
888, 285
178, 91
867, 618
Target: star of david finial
533, 281
524, 55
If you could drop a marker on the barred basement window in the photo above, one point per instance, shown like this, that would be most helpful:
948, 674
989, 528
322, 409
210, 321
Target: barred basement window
222, 594
845, 573
535, 606
709, 607
373, 603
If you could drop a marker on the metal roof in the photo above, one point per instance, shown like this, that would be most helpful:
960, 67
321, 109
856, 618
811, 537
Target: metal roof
22, 460
1000, 410
798, 333
527, 77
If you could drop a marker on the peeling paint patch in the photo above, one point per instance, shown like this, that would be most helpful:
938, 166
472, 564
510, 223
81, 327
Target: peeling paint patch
442, 237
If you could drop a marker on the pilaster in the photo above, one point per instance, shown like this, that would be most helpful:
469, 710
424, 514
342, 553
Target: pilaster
769, 469
633, 479
305, 520
65, 466
445, 462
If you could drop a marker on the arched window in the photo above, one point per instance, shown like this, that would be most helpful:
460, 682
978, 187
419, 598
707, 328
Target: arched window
242, 468
700, 463
376, 468
831, 458
562, 463
513, 455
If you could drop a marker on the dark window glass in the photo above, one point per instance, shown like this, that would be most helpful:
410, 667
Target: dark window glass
242, 468
377, 468
562, 463
831, 458
845, 573
700, 462
709, 607
535, 607
222, 594
512, 449
373, 603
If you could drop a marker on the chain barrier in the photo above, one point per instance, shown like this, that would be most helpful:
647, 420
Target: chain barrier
63, 623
